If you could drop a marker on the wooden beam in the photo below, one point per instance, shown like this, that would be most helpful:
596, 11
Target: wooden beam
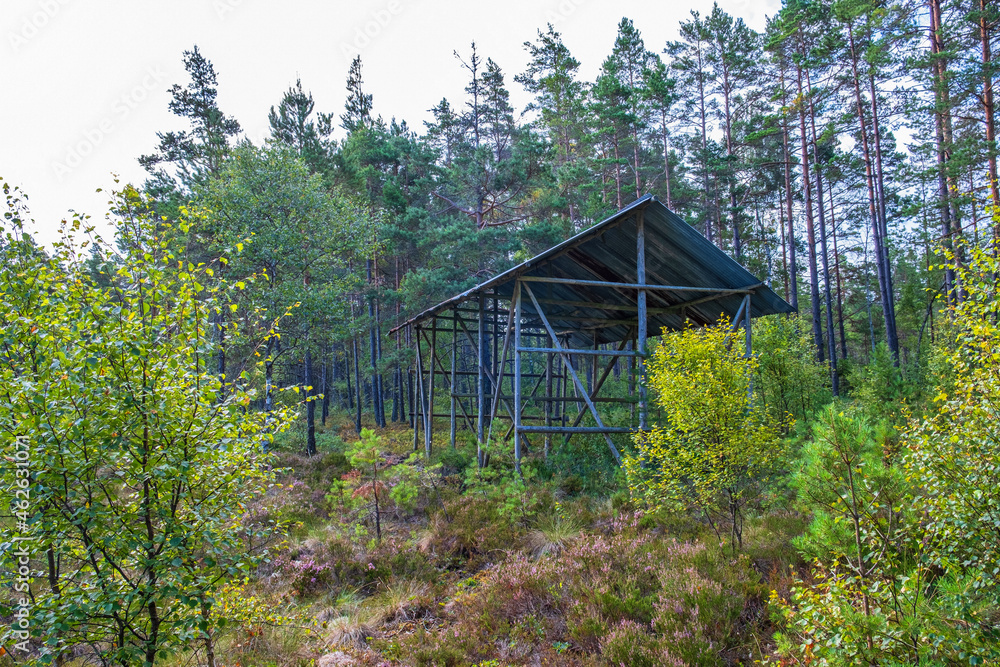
517, 377
451, 387
572, 372
586, 353
578, 429
597, 388
640, 266
641, 286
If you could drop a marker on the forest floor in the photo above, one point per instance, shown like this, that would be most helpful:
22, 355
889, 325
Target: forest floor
501, 573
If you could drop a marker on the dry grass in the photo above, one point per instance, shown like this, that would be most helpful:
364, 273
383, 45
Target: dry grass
354, 623
353, 630
552, 535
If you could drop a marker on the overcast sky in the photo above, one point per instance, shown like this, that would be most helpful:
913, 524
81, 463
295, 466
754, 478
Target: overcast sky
85, 82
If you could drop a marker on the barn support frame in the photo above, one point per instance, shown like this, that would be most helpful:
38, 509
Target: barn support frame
558, 370
526, 346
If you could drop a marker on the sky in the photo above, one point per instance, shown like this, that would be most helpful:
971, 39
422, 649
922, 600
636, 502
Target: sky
86, 82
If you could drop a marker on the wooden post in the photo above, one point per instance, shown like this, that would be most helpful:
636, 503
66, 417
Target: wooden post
454, 362
576, 379
640, 264
548, 404
749, 341
420, 394
480, 385
746, 323
593, 365
494, 350
429, 433
498, 383
517, 376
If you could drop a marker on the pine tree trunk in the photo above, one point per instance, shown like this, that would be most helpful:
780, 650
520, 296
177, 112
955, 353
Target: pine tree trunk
836, 271
942, 122
989, 110
378, 394
810, 232
324, 384
666, 157
889, 306
885, 290
704, 149
347, 374
730, 154
830, 338
793, 269
334, 390
310, 403
357, 387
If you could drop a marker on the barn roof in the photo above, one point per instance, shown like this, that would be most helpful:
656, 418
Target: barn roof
709, 283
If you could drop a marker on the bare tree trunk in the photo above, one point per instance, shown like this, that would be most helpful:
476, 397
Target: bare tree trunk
793, 268
378, 409
704, 148
618, 174
357, 387
881, 262
840, 288
942, 122
810, 232
347, 373
989, 108
892, 337
310, 403
209, 641
730, 153
831, 342
666, 157
325, 388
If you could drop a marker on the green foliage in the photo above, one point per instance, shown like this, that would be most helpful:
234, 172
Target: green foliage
906, 538
879, 386
514, 494
848, 480
788, 378
365, 454
412, 478
139, 462
716, 448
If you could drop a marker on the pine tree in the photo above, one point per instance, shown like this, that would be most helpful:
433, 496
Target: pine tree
293, 125
197, 154
358, 108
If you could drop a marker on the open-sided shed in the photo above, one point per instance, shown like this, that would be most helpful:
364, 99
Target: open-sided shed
598, 295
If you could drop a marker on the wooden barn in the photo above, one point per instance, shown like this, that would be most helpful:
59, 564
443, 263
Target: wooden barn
530, 349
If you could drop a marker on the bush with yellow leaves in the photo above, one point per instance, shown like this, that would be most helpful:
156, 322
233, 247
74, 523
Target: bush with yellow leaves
715, 448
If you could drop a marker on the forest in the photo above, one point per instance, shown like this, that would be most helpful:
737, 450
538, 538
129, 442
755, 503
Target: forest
209, 420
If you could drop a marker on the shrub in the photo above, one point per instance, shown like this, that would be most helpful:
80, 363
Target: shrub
624, 593
716, 449
788, 379
906, 541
